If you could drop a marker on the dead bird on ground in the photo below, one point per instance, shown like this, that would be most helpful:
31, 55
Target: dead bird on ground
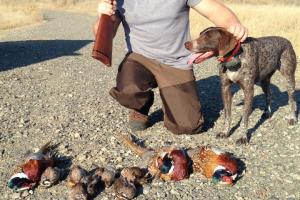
213, 163
176, 164
28, 174
167, 163
77, 181
130, 178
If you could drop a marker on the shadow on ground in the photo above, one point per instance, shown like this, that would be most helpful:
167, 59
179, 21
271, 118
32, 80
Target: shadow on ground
279, 99
209, 90
211, 102
16, 54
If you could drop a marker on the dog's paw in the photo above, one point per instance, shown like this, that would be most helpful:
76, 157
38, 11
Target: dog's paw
266, 115
292, 121
222, 135
242, 141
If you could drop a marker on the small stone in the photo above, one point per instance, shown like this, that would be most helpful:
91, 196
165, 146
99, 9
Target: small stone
157, 182
16, 196
119, 166
77, 135
64, 150
2, 152
81, 157
18, 134
119, 159
173, 191
296, 176
25, 193
57, 131
102, 159
146, 190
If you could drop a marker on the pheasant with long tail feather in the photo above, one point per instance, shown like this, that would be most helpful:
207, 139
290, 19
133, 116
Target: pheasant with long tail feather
214, 164
175, 164
167, 163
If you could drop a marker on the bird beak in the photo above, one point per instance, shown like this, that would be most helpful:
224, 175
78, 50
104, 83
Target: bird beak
227, 180
71, 184
46, 183
160, 158
162, 154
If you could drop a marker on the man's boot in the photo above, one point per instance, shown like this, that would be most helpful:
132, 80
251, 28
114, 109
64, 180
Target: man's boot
138, 121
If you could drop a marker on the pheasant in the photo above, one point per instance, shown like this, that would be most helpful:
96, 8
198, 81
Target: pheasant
126, 185
214, 164
167, 163
77, 180
108, 175
136, 175
50, 176
99, 178
88, 184
124, 189
31, 171
78, 192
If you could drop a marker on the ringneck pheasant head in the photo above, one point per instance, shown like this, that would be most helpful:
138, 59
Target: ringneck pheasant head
226, 171
174, 163
20, 182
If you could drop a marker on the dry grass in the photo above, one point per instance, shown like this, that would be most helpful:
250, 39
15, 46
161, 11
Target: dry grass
15, 13
264, 2
262, 20
87, 7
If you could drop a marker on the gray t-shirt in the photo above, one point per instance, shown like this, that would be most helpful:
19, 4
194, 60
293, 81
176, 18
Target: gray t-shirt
158, 29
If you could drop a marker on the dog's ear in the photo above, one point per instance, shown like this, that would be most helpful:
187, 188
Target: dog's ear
227, 42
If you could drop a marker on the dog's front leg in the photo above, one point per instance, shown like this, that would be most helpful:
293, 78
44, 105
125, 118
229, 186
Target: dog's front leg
248, 99
227, 101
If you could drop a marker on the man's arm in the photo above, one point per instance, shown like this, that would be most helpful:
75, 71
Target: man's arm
107, 7
222, 16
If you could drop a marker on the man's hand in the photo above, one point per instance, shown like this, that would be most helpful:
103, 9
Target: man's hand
222, 16
105, 7
239, 31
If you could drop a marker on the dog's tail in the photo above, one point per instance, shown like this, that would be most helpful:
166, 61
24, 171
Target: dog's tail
133, 146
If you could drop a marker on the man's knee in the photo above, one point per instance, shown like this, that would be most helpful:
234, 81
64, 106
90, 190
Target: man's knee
131, 96
129, 90
125, 95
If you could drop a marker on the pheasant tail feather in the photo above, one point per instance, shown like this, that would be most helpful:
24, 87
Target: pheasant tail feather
134, 147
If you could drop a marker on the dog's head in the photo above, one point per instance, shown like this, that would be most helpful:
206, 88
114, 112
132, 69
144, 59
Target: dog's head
213, 41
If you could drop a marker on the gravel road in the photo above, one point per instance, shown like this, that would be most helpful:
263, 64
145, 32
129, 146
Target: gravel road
51, 88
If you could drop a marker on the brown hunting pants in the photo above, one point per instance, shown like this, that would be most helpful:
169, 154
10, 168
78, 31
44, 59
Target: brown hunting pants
137, 75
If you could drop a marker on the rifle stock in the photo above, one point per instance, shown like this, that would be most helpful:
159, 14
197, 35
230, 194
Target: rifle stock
102, 50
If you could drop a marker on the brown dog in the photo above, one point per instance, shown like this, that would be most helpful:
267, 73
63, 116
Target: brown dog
252, 61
